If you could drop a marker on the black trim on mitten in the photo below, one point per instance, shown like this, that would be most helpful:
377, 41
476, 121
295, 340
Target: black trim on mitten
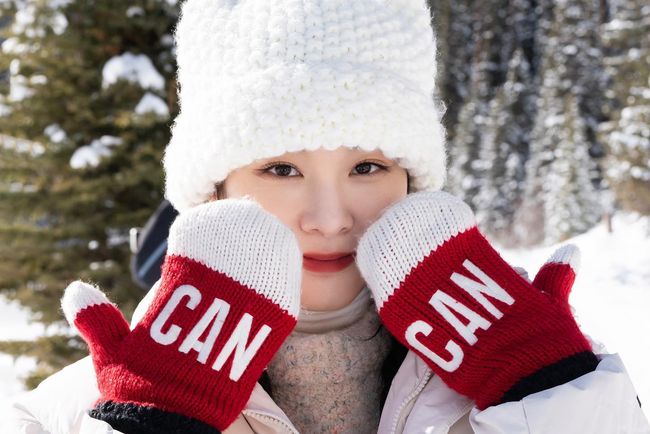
135, 419
553, 375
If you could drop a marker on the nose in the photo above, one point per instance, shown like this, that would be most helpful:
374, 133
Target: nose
327, 212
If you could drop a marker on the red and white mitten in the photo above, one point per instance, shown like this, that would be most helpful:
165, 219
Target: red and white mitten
229, 296
445, 293
557, 275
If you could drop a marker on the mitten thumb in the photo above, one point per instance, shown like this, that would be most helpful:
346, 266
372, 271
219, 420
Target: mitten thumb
99, 322
557, 275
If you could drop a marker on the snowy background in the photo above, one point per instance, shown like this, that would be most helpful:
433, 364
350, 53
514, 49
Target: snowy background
526, 92
611, 297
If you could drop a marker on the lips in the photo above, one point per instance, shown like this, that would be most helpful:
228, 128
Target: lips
327, 263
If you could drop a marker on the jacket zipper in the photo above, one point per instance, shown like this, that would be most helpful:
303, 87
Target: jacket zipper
423, 382
272, 418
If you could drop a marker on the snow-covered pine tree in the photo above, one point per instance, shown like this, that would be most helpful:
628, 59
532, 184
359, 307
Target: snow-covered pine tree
453, 24
529, 218
86, 118
493, 46
627, 135
572, 205
571, 63
505, 143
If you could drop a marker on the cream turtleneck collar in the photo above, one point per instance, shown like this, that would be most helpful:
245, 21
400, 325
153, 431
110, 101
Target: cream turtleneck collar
327, 374
311, 321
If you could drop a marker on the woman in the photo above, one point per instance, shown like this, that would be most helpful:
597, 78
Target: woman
321, 112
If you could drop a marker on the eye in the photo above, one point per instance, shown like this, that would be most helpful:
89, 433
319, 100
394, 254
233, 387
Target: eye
366, 168
281, 170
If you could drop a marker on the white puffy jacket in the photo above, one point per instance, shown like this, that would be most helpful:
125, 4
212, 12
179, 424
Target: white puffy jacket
600, 402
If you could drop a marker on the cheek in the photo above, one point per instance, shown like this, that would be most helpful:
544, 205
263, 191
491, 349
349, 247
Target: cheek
281, 202
370, 204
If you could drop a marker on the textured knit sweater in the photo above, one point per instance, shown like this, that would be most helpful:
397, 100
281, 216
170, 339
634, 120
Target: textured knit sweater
327, 375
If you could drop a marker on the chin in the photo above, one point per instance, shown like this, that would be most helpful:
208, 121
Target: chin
330, 291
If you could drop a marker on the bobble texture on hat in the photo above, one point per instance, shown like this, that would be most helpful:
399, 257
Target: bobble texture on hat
261, 78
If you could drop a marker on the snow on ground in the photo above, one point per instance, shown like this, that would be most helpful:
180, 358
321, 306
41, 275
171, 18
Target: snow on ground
14, 325
10, 372
611, 298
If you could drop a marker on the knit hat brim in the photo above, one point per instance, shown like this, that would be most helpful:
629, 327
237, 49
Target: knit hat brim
295, 107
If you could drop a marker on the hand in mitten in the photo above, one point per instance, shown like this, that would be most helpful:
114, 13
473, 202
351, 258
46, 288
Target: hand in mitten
444, 292
557, 275
229, 295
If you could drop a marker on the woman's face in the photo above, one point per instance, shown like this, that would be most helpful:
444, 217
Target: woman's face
328, 199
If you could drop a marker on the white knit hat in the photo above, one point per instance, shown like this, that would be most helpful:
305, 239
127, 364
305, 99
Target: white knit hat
259, 78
